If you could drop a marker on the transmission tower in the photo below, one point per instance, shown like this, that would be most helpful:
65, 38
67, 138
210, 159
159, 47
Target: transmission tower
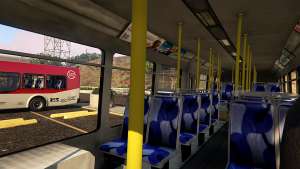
57, 48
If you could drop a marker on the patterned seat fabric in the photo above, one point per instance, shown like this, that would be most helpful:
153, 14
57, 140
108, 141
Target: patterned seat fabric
162, 130
118, 146
215, 107
272, 87
204, 113
259, 87
251, 135
189, 118
226, 93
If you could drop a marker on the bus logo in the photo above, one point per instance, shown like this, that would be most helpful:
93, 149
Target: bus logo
71, 74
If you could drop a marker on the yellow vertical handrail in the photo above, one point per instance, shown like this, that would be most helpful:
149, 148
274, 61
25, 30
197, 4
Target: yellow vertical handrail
219, 73
198, 64
232, 74
179, 56
244, 61
137, 84
247, 68
238, 51
212, 83
254, 75
209, 69
250, 71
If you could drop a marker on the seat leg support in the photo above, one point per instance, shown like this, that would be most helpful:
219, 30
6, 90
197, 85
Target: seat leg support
185, 152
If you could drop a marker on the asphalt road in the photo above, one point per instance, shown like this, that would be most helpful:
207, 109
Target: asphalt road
46, 127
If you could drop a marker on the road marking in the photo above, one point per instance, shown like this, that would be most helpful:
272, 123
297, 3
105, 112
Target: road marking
61, 123
16, 122
75, 114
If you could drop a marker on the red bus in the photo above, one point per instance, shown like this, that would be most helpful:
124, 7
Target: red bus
36, 86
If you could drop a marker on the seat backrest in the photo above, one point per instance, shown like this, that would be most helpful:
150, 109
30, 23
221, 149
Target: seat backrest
125, 120
259, 87
226, 92
215, 106
164, 121
190, 110
252, 134
272, 87
204, 109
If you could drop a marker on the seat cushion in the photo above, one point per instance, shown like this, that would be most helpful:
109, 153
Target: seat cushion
155, 155
202, 127
116, 147
237, 166
184, 137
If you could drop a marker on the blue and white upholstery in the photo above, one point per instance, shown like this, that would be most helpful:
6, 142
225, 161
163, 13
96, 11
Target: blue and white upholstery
215, 102
189, 118
259, 87
226, 92
251, 136
163, 130
118, 147
272, 87
204, 112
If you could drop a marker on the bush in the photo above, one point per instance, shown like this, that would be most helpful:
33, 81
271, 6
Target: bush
95, 91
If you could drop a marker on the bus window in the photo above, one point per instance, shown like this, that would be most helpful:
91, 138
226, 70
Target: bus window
120, 83
9, 81
56, 82
49, 94
166, 78
34, 81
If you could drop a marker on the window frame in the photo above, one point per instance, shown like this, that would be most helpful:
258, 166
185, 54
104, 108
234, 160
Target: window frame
23, 81
66, 80
20, 82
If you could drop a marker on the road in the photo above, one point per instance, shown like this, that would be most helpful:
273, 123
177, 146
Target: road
21, 129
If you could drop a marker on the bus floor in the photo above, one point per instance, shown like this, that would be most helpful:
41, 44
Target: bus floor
213, 155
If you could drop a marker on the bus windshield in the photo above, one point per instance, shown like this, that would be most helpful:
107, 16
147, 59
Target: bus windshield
9, 81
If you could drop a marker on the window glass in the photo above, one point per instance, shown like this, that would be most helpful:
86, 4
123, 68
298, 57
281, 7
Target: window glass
166, 78
293, 75
9, 81
286, 87
286, 78
203, 80
56, 82
54, 115
34, 81
294, 87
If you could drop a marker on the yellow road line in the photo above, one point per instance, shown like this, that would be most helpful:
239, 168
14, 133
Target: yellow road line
16, 122
61, 123
75, 114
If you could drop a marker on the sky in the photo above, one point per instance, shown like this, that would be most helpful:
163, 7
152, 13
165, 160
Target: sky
28, 42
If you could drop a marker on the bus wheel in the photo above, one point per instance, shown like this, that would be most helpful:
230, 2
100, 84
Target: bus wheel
37, 104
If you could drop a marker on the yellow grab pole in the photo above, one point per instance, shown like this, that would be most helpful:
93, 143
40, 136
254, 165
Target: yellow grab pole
250, 67
209, 70
247, 68
254, 74
244, 61
179, 55
198, 64
137, 84
219, 73
238, 51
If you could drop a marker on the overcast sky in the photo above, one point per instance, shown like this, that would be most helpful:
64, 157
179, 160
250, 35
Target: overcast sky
28, 42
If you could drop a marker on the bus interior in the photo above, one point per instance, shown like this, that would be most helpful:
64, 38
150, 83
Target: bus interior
152, 84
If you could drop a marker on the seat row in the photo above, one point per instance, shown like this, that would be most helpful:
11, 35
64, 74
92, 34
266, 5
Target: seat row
253, 132
175, 126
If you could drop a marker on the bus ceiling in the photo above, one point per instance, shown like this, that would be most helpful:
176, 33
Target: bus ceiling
70, 21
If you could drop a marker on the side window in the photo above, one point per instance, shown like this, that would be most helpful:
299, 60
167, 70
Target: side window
9, 81
32, 81
56, 82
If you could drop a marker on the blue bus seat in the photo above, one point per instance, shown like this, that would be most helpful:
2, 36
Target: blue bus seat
272, 87
204, 112
215, 107
189, 120
251, 136
118, 147
226, 92
259, 87
163, 130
